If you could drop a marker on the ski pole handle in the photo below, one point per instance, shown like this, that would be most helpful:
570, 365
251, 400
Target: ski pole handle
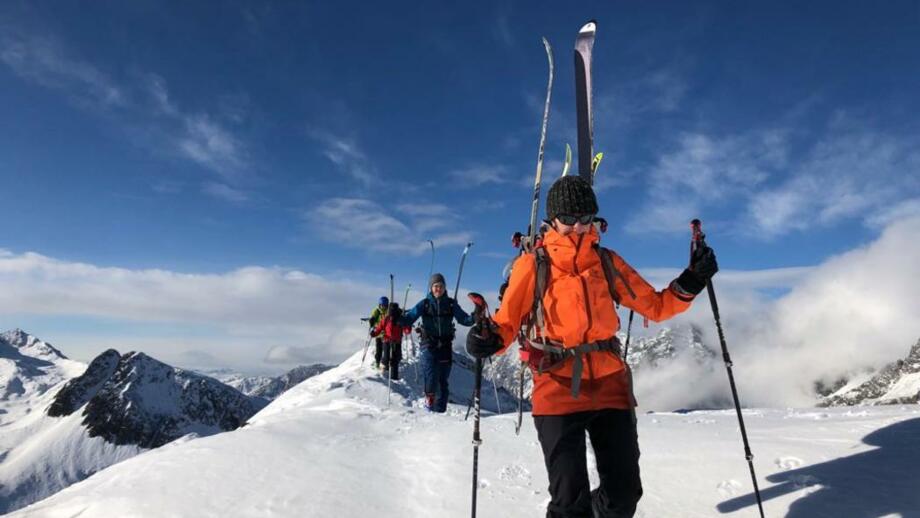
699, 238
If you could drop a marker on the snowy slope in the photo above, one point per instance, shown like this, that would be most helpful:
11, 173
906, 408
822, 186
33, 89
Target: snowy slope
332, 447
29, 370
118, 407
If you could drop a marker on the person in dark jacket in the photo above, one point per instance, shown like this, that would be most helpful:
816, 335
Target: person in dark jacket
438, 313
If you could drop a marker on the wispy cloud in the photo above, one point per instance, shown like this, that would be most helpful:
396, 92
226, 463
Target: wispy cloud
225, 192
40, 60
478, 175
704, 170
361, 223
861, 174
642, 92
141, 105
345, 153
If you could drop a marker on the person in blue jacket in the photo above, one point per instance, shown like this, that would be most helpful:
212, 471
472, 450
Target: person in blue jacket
438, 312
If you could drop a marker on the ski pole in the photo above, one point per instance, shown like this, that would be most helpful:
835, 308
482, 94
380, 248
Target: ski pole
498, 404
481, 314
389, 377
699, 241
366, 344
628, 331
431, 267
520, 402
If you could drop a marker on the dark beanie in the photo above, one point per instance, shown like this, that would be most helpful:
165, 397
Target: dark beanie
436, 278
570, 195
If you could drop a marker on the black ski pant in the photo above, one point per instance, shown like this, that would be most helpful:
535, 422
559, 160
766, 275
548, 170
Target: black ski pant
392, 355
616, 450
378, 350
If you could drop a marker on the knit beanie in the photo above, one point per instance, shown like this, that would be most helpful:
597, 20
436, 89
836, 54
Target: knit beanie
570, 195
436, 278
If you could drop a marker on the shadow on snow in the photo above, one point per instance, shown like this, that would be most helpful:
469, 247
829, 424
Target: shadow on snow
874, 483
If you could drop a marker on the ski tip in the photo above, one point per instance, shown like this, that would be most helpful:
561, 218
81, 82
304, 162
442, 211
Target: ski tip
590, 27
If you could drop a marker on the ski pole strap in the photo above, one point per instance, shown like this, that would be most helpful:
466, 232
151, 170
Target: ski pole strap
560, 354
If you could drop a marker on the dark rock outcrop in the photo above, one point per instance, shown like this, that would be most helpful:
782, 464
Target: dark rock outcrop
78, 391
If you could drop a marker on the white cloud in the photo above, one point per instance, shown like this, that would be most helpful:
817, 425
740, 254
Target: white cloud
855, 311
287, 355
239, 313
903, 210
361, 223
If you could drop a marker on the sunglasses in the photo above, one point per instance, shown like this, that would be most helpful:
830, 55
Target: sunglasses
568, 219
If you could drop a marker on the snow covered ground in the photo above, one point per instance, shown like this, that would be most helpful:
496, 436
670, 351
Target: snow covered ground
331, 447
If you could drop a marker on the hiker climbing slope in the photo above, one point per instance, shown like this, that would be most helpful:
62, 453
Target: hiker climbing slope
581, 384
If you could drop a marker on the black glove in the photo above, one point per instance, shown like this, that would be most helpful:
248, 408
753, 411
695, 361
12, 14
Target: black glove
702, 267
482, 345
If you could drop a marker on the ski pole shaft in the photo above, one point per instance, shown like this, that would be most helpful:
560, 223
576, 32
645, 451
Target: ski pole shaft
699, 241
628, 331
431, 267
498, 404
476, 439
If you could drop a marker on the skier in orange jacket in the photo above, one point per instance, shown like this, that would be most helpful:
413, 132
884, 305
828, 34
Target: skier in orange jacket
581, 384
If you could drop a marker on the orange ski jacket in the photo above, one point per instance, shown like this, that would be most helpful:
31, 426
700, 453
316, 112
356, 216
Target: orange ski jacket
578, 309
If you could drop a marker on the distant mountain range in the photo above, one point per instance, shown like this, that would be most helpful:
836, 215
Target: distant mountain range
896, 383
644, 353
266, 387
62, 420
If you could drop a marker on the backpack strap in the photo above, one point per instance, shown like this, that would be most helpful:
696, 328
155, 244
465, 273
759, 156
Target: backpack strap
541, 281
612, 274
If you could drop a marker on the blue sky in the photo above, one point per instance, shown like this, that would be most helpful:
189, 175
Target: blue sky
331, 141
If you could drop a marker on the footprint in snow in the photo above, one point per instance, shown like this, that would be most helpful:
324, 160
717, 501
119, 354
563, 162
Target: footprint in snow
515, 474
729, 487
787, 463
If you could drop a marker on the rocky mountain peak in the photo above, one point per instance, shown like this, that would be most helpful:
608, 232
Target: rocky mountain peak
136, 399
896, 383
29, 345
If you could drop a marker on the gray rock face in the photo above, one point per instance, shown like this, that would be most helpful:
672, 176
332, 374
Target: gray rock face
651, 352
135, 399
78, 391
897, 383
